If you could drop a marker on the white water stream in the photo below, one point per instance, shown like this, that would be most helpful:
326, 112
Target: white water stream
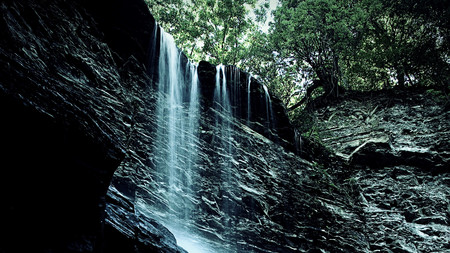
176, 153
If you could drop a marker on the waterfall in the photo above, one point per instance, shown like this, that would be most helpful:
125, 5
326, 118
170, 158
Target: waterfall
221, 97
249, 80
223, 126
178, 159
269, 111
176, 144
175, 129
224, 113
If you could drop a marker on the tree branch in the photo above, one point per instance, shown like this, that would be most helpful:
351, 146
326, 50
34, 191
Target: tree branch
309, 90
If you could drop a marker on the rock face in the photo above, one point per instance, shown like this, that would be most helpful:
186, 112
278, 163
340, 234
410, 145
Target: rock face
400, 127
75, 90
82, 138
398, 143
249, 104
67, 91
241, 177
58, 147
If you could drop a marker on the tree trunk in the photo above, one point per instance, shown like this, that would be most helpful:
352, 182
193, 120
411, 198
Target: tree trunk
331, 88
400, 76
309, 90
329, 82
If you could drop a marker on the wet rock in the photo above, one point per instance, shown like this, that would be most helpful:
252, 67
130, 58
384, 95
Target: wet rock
266, 199
398, 131
394, 140
68, 102
128, 230
277, 127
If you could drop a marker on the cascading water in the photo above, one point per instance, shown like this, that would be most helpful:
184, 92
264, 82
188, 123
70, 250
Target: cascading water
223, 108
176, 145
175, 127
178, 167
221, 97
269, 111
249, 80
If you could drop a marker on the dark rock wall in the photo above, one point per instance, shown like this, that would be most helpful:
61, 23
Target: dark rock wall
265, 198
398, 144
74, 94
67, 103
276, 126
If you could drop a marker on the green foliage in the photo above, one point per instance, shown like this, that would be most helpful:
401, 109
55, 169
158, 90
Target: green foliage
315, 35
213, 30
405, 44
315, 46
359, 45
305, 122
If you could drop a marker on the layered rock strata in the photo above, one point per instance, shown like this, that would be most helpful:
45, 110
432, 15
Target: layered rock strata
398, 144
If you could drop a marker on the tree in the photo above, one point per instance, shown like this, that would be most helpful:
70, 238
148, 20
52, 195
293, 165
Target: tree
407, 40
315, 35
317, 47
213, 30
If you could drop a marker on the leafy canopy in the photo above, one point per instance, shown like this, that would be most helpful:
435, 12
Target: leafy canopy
213, 30
315, 48
359, 44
